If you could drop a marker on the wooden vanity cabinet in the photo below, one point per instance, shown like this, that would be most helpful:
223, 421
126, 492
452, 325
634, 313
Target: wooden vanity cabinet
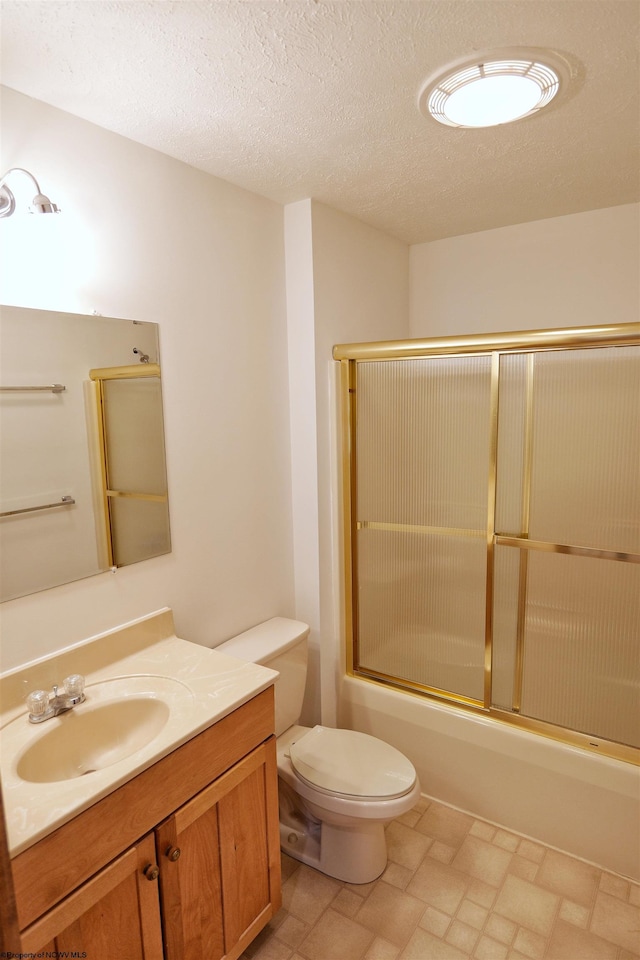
199, 885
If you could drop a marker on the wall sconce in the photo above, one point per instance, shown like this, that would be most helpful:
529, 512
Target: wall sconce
39, 204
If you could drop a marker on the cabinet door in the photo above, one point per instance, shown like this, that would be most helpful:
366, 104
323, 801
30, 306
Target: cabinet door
115, 914
219, 859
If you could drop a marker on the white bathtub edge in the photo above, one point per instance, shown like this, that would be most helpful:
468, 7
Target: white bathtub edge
575, 801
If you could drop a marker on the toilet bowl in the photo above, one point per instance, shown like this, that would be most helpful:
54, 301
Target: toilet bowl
337, 789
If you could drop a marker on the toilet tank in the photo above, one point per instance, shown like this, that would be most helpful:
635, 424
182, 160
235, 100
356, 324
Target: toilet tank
280, 644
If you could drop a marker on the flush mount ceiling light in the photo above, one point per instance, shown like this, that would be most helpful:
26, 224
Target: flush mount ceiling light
493, 88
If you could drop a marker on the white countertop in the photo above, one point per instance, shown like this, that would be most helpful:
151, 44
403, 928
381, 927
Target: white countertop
142, 658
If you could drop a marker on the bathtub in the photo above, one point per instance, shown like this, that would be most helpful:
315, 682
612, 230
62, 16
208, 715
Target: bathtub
571, 799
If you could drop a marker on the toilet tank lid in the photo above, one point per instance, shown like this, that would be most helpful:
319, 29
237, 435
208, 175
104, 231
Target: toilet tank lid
260, 643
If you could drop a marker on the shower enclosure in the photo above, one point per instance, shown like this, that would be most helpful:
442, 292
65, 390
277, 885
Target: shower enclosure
492, 526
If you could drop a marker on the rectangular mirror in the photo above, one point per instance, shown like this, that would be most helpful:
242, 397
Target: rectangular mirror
82, 464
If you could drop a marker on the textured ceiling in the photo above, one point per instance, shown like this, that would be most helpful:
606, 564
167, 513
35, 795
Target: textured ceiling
296, 98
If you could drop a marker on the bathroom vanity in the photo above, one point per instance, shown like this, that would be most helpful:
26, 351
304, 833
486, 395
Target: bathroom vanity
171, 852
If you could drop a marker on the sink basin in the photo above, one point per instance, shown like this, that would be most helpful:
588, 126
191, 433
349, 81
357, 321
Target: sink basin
120, 716
84, 742
150, 693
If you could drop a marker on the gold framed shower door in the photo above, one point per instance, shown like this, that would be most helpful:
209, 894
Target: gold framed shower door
525, 345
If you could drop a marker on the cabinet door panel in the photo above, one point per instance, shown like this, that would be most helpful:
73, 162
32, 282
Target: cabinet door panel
243, 855
115, 914
109, 928
190, 887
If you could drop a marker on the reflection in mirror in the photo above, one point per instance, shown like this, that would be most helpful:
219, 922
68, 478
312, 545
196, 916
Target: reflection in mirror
131, 462
82, 466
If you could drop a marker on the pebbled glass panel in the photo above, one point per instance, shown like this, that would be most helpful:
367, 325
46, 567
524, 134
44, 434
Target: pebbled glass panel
585, 481
581, 645
421, 603
423, 441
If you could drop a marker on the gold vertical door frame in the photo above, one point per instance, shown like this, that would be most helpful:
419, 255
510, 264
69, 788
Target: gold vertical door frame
525, 342
102, 453
349, 510
523, 572
491, 522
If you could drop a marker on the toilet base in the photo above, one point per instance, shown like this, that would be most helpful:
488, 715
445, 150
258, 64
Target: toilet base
353, 854
343, 838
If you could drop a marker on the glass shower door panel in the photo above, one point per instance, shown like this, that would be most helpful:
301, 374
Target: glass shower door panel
516, 373
139, 529
507, 606
135, 466
423, 448
423, 441
421, 609
581, 645
586, 449
134, 433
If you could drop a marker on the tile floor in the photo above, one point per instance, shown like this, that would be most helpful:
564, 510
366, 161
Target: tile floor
456, 888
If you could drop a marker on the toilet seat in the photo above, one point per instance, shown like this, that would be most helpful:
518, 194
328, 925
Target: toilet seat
350, 764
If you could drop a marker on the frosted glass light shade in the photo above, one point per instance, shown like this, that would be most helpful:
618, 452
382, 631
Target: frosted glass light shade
490, 92
489, 101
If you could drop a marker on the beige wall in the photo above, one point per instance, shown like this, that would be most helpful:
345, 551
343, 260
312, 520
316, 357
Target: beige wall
577, 270
143, 236
304, 442
361, 292
345, 281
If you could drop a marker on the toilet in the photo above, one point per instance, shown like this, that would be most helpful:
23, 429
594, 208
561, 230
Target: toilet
337, 788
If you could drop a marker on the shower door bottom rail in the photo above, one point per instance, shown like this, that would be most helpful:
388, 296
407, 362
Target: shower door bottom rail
594, 744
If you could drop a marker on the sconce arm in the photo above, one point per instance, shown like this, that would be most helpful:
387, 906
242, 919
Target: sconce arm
40, 202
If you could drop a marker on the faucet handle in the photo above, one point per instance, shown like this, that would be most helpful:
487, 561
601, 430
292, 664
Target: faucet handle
38, 703
74, 686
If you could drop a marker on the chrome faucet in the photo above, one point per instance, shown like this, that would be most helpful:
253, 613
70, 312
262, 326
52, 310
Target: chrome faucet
43, 706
